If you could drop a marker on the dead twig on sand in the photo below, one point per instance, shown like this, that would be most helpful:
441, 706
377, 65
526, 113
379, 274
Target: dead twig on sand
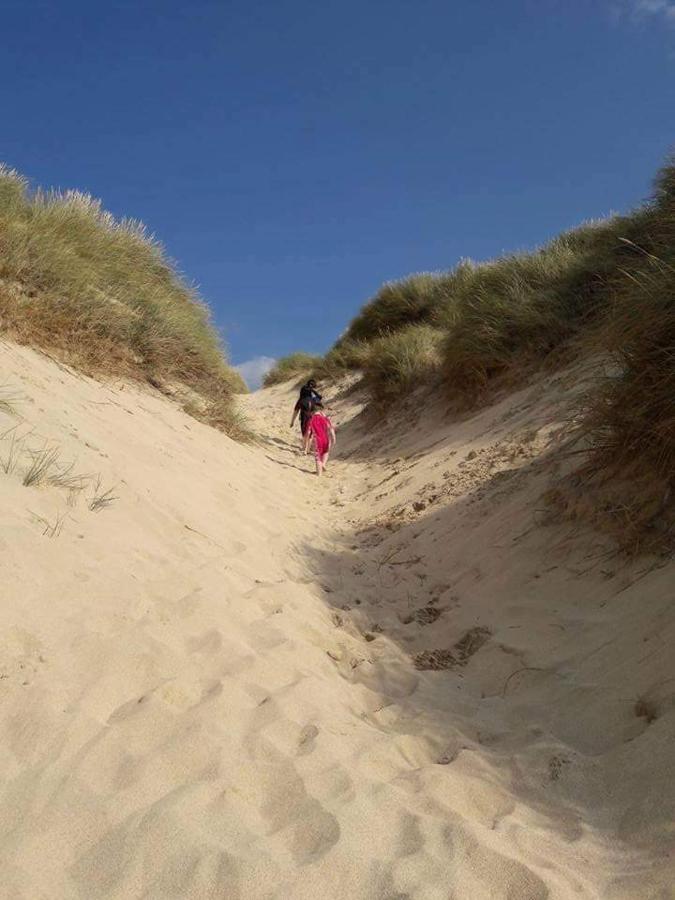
205, 536
517, 672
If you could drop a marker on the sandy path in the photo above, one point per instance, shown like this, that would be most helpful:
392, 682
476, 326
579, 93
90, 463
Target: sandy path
536, 651
239, 681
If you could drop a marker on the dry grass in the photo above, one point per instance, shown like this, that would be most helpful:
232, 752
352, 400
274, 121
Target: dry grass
102, 293
519, 311
500, 316
416, 299
346, 355
295, 365
101, 499
626, 484
46, 469
41, 467
8, 400
400, 361
606, 288
222, 415
629, 420
15, 446
51, 529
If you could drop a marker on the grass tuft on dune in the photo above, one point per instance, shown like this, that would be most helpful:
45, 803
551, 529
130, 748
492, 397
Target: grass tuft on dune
401, 360
295, 365
103, 295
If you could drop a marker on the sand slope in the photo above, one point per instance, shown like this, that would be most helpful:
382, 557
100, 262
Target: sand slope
238, 681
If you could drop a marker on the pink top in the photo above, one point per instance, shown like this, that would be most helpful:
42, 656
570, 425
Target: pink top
319, 426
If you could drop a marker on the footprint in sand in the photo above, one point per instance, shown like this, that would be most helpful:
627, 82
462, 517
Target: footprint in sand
306, 739
458, 655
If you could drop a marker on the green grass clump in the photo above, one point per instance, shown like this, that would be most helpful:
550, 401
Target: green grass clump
516, 311
399, 361
102, 293
413, 300
236, 382
630, 417
500, 317
294, 365
345, 356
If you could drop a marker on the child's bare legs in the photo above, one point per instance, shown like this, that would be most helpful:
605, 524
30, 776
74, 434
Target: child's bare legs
321, 460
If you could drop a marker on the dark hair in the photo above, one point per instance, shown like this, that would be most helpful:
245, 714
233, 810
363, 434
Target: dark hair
311, 383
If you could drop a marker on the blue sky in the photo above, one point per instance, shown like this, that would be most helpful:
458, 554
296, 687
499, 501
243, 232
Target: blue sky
294, 155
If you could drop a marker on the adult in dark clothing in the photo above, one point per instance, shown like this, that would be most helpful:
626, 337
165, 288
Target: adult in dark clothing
309, 391
305, 405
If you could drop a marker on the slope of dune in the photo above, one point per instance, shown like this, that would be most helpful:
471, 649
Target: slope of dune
221, 677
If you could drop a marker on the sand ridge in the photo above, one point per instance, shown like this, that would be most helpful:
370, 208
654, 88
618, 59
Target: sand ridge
237, 680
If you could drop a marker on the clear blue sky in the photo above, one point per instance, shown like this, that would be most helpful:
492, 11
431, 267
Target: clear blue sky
293, 155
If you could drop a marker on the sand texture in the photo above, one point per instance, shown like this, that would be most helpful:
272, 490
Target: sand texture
222, 677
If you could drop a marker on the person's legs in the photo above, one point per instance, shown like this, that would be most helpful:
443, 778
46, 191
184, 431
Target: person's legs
320, 456
305, 432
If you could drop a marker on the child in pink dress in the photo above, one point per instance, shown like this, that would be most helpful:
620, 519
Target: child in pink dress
321, 429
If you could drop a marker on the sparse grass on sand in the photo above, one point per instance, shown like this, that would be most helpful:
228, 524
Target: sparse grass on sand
103, 295
8, 400
41, 466
15, 443
101, 499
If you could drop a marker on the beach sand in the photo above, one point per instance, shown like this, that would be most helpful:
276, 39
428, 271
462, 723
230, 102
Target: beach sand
223, 677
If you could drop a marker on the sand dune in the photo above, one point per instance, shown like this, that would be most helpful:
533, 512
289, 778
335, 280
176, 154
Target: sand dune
221, 677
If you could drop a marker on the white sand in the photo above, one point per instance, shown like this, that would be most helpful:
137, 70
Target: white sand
208, 689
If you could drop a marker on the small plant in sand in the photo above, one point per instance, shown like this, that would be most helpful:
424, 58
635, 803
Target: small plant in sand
8, 400
40, 467
45, 469
101, 499
13, 451
51, 529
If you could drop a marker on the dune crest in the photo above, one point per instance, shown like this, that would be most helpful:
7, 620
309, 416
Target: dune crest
221, 677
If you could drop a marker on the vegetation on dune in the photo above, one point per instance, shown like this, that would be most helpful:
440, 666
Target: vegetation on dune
400, 360
345, 355
499, 315
103, 295
517, 311
503, 316
608, 287
629, 476
414, 300
294, 365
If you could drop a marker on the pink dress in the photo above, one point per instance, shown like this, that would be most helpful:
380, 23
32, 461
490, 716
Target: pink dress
319, 426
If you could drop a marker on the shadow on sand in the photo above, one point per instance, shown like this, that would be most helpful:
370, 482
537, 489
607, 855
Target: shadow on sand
486, 634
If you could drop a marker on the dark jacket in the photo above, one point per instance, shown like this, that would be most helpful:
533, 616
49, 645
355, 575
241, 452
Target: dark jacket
308, 393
